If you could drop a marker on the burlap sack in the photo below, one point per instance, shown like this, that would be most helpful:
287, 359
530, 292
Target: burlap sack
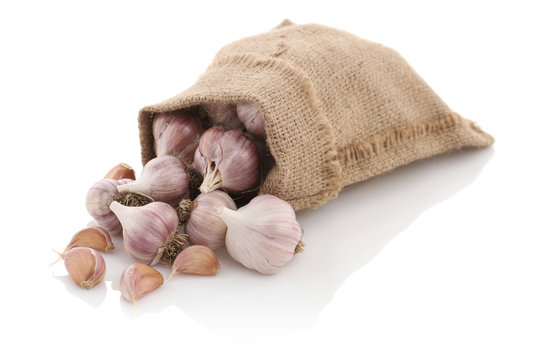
338, 109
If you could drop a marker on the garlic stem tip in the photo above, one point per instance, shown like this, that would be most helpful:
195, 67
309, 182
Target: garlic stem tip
61, 254
170, 276
60, 257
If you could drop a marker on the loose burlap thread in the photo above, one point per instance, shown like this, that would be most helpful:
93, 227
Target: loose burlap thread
338, 109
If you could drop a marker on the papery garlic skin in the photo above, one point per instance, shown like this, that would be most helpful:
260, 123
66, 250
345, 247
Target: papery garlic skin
146, 229
176, 133
94, 237
228, 160
204, 226
262, 235
138, 280
252, 118
163, 179
98, 199
195, 260
85, 266
223, 115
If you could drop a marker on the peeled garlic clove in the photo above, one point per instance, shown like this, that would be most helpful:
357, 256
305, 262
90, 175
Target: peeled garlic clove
176, 133
148, 230
252, 118
228, 160
139, 280
204, 226
85, 266
223, 115
98, 199
121, 171
196, 260
163, 179
263, 235
94, 237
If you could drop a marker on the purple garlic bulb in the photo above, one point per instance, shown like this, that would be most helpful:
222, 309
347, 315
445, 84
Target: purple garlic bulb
252, 118
163, 179
176, 133
204, 226
227, 159
98, 199
147, 229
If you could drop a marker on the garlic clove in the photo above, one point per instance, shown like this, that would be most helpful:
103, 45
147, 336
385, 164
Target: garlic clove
85, 266
196, 260
228, 160
176, 133
99, 197
204, 226
263, 235
163, 179
138, 280
121, 171
147, 230
94, 237
252, 118
223, 115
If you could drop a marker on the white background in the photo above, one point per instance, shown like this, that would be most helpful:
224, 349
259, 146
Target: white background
436, 260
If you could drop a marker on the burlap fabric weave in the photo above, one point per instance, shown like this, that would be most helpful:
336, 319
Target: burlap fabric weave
338, 109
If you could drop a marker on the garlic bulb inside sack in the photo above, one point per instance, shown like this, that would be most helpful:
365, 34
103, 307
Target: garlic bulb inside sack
263, 235
150, 231
163, 179
227, 159
204, 226
252, 118
176, 133
98, 199
223, 115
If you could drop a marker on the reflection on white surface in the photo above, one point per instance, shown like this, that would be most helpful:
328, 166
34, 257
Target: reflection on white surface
371, 214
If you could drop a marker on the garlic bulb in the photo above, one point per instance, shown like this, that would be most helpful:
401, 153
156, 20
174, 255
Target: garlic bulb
252, 118
149, 231
204, 226
85, 266
263, 235
223, 115
98, 199
176, 133
139, 280
163, 179
195, 260
228, 160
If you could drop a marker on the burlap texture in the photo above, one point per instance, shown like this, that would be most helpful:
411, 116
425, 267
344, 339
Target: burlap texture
338, 109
